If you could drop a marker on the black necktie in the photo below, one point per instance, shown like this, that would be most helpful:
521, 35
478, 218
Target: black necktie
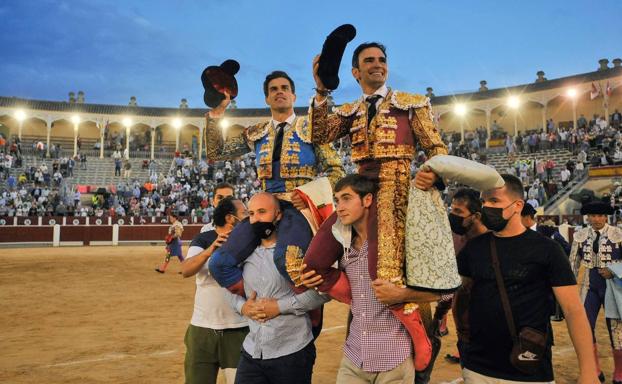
278, 142
371, 111
595, 243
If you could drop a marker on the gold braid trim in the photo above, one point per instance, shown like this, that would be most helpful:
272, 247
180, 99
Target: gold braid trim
347, 109
303, 129
214, 141
406, 101
326, 128
293, 262
426, 133
392, 203
257, 131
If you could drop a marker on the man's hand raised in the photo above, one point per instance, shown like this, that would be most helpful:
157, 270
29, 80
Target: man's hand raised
219, 111
319, 86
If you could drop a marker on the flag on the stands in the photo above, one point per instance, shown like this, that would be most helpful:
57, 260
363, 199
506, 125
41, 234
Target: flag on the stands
595, 92
436, 118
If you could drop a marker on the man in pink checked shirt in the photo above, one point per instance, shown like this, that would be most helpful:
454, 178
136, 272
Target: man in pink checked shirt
378, 347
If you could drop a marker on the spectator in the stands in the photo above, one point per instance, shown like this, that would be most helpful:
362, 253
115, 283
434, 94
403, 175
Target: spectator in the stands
549, 167
58, 178
127, 169
83, 161
61, 209
565, 176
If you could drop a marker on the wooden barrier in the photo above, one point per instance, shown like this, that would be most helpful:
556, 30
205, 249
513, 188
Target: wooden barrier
86, 234
606, 171
26, 234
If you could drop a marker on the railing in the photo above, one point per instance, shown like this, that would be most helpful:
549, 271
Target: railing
567, 190
94, 153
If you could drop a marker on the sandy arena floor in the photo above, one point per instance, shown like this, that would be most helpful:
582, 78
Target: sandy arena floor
102, 315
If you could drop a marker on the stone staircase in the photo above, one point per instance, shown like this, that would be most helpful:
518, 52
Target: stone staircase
560, 156
99, 172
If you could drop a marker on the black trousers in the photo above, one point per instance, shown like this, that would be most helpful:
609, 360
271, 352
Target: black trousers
293, 368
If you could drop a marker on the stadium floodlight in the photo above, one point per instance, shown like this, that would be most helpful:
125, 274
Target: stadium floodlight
20, 115
127, 122
572, 94
224, 123
513, 102
75, 119
460, 109
177, 123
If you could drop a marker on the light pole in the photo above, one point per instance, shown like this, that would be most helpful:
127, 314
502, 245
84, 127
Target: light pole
75, 119
177, 125
127, 122
460, 111
572, 94
514, 103
152, 141
102, 133
20, 116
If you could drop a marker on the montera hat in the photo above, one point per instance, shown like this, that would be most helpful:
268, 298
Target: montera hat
597, 208
218, 79
332, 53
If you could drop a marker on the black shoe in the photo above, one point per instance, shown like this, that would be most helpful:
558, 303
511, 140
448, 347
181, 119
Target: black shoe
423, 377
158, 270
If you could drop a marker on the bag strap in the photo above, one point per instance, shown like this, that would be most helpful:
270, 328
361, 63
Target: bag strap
502, 292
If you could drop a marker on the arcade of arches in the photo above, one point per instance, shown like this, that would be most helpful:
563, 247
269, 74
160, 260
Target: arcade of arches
562, 100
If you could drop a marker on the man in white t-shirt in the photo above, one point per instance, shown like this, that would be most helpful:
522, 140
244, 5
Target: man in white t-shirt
216, 332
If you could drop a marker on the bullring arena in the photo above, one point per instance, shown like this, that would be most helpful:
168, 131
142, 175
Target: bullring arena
80, 300
101, 315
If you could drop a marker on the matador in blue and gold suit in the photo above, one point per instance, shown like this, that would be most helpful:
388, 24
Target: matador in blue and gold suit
281, 170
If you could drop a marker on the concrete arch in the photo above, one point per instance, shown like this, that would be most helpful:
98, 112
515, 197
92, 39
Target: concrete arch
5, 131
88, 131
186, 134
34, 126
140, 136
10, 125
167, 132
62, 128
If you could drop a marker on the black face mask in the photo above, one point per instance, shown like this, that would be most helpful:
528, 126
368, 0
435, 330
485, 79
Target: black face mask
457, 224
263, 229
493, 219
